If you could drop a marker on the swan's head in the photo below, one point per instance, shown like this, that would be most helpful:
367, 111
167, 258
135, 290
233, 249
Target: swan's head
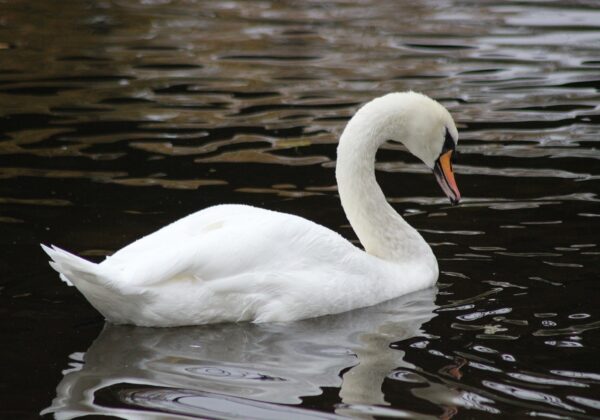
427, 130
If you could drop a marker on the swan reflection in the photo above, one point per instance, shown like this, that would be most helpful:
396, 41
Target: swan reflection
244, 370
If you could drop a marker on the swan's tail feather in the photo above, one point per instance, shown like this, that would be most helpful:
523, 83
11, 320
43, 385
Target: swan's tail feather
99, 284
73, 268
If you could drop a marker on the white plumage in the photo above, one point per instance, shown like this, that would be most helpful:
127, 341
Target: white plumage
242, 263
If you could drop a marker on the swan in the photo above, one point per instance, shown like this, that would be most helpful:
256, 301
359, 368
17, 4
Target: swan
230, 262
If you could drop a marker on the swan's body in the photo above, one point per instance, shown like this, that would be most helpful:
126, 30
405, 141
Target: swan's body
242, 263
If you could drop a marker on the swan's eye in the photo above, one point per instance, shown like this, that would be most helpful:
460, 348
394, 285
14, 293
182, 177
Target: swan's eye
449, 143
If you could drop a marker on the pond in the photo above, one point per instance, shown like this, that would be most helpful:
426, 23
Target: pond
120, 116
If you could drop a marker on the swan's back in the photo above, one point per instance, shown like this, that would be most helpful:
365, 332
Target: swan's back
223, 240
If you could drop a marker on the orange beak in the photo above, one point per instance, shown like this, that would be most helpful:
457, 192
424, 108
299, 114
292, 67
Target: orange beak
445, 177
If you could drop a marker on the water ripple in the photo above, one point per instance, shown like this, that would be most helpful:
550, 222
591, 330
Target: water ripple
204, 404
530, 395
574, 329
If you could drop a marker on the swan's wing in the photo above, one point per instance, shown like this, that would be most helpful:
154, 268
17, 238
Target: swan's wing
227, 242
192, 226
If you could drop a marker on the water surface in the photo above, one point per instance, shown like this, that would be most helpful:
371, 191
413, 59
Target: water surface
117, 117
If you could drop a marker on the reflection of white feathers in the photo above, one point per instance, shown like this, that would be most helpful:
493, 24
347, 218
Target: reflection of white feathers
230, 369
241, 263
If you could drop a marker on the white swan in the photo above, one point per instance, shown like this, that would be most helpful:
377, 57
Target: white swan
241, 263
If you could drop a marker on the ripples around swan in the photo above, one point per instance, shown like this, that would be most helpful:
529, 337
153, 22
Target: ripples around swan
241, 370
119, 116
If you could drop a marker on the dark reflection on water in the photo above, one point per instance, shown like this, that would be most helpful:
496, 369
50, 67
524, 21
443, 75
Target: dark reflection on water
117, 117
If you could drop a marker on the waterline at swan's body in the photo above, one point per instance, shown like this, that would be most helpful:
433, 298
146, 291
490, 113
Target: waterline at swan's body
241, 263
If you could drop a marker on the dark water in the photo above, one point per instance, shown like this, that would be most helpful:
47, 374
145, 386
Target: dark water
117, 117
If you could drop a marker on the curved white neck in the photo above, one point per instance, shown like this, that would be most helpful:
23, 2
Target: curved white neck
380, 229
